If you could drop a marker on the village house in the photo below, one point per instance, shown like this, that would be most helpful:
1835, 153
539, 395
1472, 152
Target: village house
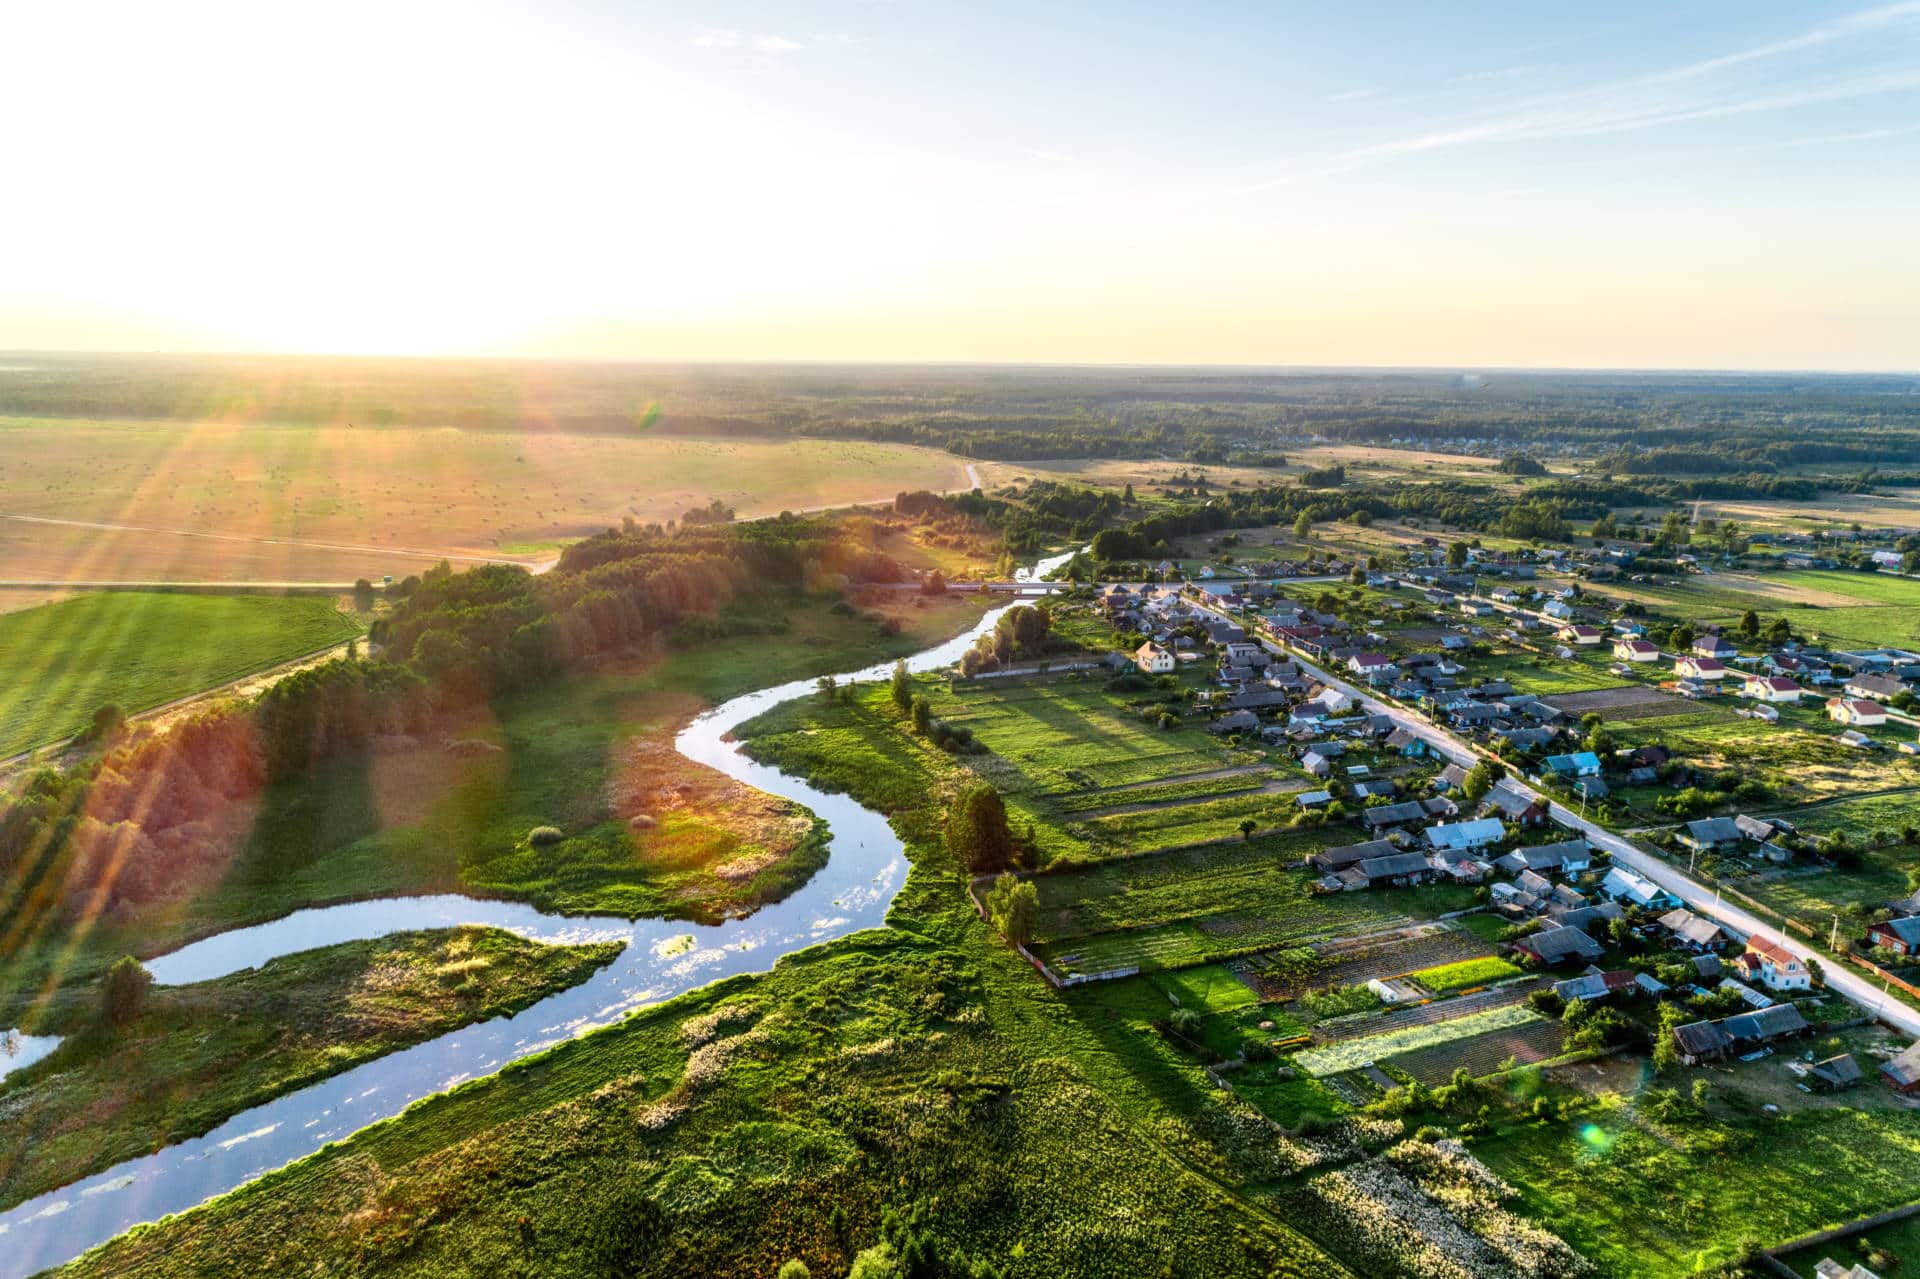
1701, 669
1692, 932
1712, 646
1461, 837
1901, 936
1776, 967
1581, 636
1516, 806
1330, 860
1236, 722
1623, 885
1394, 870
1551, 947
1593, 986
1578, 764
1771, 688
1154, 660
1710, 1040
1856, 711
1902, 1073
1836, 1074
1874, 688
1709, 833
1635, 650
1411, 745
1568, 857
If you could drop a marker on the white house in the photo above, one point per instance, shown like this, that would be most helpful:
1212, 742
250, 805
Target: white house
1332, 701
1153, 659
1584, 636
1771, 688
1776, 966
1856, 711
1701, 668
1635, 650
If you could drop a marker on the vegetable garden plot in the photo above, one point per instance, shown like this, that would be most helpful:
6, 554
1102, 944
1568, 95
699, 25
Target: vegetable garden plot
1344, 1028
1351, 1054
1482, 1054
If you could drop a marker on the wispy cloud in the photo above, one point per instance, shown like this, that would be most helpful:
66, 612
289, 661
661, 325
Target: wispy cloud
1353, 95
764, 44
1492, 74
1707, 89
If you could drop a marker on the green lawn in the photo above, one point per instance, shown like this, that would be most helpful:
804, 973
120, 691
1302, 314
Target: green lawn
201, 1053
139, 650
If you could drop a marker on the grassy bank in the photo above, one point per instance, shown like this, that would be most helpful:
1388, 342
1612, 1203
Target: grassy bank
137, 651
198, 1054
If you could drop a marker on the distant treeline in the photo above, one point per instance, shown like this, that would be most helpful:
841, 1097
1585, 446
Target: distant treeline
1655, 424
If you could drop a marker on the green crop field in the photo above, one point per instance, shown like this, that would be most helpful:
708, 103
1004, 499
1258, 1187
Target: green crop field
1465, 973
138, 650
1872, 588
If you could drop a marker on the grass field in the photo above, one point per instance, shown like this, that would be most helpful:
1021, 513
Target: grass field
137, 651
376, 493
1350, 1054
201, 1053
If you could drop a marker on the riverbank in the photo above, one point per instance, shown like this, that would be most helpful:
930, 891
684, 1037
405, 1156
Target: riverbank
197, 1054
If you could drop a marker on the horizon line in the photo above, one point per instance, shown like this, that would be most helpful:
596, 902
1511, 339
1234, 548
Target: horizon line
962, 363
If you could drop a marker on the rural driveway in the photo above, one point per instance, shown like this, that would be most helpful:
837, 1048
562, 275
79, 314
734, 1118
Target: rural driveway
1697, 896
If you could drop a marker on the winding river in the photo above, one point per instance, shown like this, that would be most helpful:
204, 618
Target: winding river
662, 958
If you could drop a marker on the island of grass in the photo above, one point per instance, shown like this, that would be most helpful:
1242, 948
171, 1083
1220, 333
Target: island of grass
138, 650
193, 1056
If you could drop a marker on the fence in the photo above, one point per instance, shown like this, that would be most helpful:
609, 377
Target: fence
1822, 1237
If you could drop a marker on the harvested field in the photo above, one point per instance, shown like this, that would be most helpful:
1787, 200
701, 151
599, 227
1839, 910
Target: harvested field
1631, 701
1339, 1056
378, 492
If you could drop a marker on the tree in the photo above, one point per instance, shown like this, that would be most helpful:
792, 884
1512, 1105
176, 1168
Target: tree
827, 686
1362, 518
922, 715
123, 991
1604, 529
1682, 637
363, 595
1302, 525
1012, 903
935, 583
877, 1262
1357, 575
1127, 495
1750, 624
977, 833
902, 686
1247, 827
1477, 782
795, 1269
1457, 555
106, 725
1779, 631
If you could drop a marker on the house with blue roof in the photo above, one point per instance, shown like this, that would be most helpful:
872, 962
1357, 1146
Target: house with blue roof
1578, 764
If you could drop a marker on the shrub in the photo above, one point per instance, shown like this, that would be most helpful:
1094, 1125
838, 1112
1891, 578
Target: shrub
542, 835
123, 991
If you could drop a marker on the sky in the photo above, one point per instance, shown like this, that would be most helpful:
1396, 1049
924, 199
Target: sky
1722, 185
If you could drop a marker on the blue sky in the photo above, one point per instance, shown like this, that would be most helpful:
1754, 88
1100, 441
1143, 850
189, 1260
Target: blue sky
1625, 185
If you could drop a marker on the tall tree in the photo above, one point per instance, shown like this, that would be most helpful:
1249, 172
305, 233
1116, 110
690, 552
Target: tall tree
902, 686
977, 833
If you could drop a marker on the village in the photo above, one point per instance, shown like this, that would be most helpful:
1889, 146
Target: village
1381, 911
